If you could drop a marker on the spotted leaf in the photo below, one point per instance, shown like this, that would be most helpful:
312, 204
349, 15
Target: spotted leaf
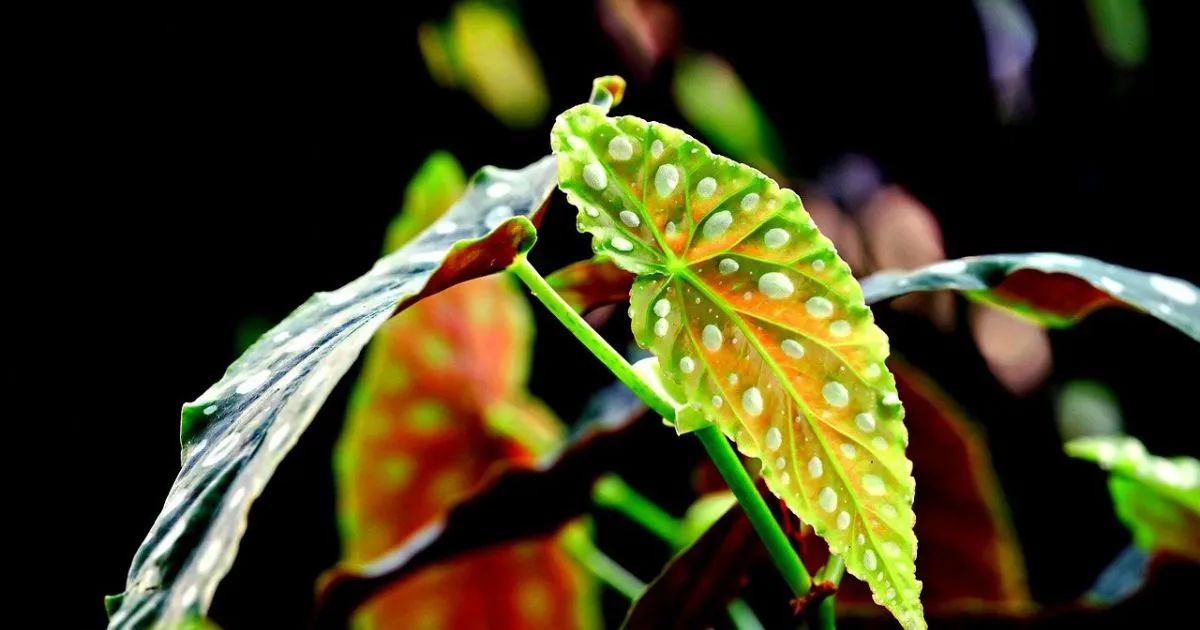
1053, 289
235, 434
970, 556
437, 184
1157, 498
759, 326
551, 492
420, 434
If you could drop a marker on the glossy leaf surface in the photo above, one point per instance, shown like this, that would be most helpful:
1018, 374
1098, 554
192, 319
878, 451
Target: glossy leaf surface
758, 325
437, 184
1157, 498
484, 517
236, 433
442, 398
1053, 289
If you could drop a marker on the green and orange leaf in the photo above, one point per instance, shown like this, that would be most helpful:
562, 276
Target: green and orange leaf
235, 434
971, 558
758, 325
1157, 498
1052, 289
442, 399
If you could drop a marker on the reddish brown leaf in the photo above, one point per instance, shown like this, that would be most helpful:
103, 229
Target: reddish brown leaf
696, 585
589, 284
485, 516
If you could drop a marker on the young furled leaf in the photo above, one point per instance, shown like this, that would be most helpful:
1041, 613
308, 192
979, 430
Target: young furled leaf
236, 433
1157, 498
758, 325
1054, 290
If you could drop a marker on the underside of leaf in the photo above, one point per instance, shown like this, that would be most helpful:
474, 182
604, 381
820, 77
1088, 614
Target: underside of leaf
759, 326
1052, 289
236, 433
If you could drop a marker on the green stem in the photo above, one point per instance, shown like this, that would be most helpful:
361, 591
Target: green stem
739, 481
603, 567
590, 338
718, 448
743, 617
832, 572
612, 492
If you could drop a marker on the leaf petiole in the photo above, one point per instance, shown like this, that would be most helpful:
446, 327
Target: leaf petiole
782, 553
612, 492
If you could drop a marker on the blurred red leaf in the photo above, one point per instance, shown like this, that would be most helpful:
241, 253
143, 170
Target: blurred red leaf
590, 284
550, 494
645, 31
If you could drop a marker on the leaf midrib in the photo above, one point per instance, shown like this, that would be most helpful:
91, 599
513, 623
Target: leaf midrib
786, 384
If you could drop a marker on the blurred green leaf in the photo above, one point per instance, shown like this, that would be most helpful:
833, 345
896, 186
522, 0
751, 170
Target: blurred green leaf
483, 50
438, 183
712, 97
1088, 408
1157, 498
1121, 28
704, 513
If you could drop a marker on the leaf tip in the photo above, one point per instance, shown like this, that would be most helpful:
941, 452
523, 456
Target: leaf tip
607, 92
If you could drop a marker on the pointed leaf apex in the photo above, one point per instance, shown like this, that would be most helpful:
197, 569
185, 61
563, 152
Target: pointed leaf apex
607, 92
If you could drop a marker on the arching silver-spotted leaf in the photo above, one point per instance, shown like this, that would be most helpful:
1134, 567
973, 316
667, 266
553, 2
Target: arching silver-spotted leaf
758, 326
235, 434
1052, 289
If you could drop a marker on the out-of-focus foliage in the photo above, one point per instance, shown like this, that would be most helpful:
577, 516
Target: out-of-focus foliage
759, 326
235, 434
1011, 39
1121, 29
591, 283
1088, 409
1157, 498
438, 183
712, 97
645, 31
1017, 350
484, 516
438, 380
482, 49
703, 513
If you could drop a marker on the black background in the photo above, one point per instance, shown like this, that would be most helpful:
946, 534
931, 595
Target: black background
223, 165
